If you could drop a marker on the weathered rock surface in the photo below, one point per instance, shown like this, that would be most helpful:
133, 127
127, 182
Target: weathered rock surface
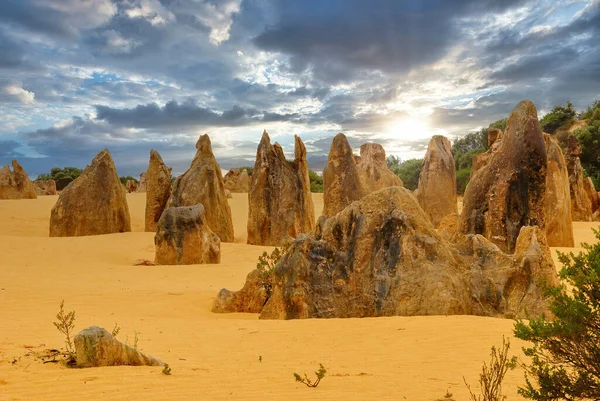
158, 190
95, 346
591, 192
184, 238
448, 227
228, 194
94, 203
280, 205
237, 180
507, 193
131, 186
436, 192
250, 299
494, 134
203, 183
142, 184
342, 183
50, 188
373, 168
381, 256
581, 206
557, 202
16, 184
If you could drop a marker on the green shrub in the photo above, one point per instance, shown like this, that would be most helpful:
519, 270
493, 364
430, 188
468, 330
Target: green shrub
565, 350
309, 383
409, 172
124, 179
559, 116
316, 182
462, 179
65, 323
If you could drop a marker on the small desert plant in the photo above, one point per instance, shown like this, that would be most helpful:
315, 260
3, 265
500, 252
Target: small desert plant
491, 377
309, 383
447, 397
115, 330
166, 370
565, 351
66, 324
266, 265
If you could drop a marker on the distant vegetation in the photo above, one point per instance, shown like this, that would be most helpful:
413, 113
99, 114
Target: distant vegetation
127, 178
316, 182
559, 117
62, 176
408, 171
249, 169
589, 138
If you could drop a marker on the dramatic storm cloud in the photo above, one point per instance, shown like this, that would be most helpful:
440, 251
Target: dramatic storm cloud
133, 75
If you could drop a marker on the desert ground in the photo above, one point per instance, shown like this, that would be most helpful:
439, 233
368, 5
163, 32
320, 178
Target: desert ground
212, 356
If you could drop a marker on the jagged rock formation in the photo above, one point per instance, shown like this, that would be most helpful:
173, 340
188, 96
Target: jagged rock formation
494, 134
184, 238
557, 202
45, 187
507, 192
237, 180
581, 206
436, 192
203, 183
373, 168
158, 189
131, 186
590, 190
15, 184
280, 205
381, 256
142, 184
95, 346
342, 183
94, 203
448, 226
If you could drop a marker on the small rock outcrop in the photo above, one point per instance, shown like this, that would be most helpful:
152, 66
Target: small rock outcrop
437, 182
16, 184
342, 183
581, 206
95, 346
142, 184
50, 188
373, 168
184, 238
94, 203
559, 225
203, 183
158, 190
131, 186
381, 256
508, 192
237, 180
280, 205
494, 134
45, 187
591, 192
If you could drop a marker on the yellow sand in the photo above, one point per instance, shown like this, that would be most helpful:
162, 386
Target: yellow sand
212, 356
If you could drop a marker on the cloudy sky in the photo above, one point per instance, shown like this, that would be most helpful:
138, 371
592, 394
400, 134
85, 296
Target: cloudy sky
133, 75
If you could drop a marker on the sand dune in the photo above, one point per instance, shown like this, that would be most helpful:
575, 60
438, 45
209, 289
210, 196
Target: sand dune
212, 356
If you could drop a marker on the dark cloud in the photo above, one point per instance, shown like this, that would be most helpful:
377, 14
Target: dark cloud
8, 150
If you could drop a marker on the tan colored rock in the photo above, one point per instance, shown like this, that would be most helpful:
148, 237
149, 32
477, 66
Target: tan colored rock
237, 180
16, 184
94, 203
436, 192
508, 192
158, 190
228, 194
581, 206
494, 134
373, 168
448, 226
203, 183
381, 256
184, 238
342, 183
50, 188
142, 183
131, 186
95, 346
590, 190
557, 201
143, 262
250, 299
280, 205
40, 187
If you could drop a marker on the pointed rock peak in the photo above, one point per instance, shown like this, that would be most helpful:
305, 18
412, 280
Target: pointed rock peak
519, 116
299, 149
203, 145
265, 136
372, 152
340, 145
103, 156
16, 166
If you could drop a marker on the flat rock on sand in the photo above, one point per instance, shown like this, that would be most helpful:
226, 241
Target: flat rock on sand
95, 203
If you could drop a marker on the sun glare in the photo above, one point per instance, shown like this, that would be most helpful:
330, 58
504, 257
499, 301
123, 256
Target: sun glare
411, 128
